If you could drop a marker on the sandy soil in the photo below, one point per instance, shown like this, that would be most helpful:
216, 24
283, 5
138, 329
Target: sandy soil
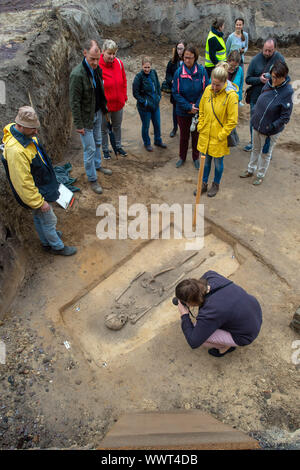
52, 396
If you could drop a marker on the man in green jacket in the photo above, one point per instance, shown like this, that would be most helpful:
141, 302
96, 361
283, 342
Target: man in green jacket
88, 104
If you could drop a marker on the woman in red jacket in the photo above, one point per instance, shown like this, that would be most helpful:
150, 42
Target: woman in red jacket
115, 88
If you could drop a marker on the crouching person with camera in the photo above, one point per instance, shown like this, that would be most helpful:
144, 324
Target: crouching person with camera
227, 316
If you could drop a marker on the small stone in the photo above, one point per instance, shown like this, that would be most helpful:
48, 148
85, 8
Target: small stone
78, 382
11, 380
267, 394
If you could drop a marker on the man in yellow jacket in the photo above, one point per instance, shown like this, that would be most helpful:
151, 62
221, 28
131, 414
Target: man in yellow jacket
32, 179
218, 116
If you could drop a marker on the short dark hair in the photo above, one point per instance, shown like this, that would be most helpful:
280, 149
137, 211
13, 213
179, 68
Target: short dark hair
280, 69
193, 50
192, 291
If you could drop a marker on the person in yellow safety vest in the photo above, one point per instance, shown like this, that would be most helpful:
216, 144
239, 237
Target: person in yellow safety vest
215, 50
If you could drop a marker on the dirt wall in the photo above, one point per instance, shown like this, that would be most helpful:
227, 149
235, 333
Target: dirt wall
40, 42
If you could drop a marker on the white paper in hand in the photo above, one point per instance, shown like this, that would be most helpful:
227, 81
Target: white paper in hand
65, 196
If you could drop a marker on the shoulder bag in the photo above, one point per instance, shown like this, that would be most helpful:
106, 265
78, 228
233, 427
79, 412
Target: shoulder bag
233, 139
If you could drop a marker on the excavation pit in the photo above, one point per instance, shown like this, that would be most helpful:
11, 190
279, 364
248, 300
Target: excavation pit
133, 304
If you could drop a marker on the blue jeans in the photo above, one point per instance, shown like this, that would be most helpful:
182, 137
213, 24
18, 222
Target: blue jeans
219, 166
91, 142
45, 224
266, 146
146, 117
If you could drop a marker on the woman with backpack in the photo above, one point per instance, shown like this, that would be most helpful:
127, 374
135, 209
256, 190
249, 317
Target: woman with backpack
190, 81
115, 89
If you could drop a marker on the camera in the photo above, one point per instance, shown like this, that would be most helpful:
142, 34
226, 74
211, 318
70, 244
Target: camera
194, 124
175, 302
267, 75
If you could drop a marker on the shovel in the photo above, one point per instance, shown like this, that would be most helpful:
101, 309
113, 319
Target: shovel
199, 186
111, 135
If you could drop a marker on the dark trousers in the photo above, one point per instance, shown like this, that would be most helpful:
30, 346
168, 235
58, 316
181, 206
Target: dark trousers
175, 124
184, 123
209, 71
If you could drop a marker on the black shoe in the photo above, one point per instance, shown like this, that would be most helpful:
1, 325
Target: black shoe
213, 190
173, 133
66, 251
161, 145
106, 155
148, 148
203, 189
121, 152
216, 353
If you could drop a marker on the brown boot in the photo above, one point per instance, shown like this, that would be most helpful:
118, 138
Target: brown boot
203, 189
213, 190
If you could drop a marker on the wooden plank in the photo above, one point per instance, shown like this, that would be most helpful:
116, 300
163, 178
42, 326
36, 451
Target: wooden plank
191, 429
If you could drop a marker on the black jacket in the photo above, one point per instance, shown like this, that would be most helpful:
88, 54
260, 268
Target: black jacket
258, 65
229, 308
273, 108
146, 90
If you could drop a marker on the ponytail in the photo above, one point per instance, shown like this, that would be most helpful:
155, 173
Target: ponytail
242, 31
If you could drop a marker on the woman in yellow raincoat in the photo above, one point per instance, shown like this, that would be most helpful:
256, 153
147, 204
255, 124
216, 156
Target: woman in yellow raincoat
219, 99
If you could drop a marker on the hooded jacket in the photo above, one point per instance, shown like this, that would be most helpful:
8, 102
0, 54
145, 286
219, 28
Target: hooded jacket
115, 83
188, 87
212, 136
146, 90
228, 307
29, 169
273, 108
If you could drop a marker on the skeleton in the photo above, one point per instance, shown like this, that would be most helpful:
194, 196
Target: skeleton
119, 316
